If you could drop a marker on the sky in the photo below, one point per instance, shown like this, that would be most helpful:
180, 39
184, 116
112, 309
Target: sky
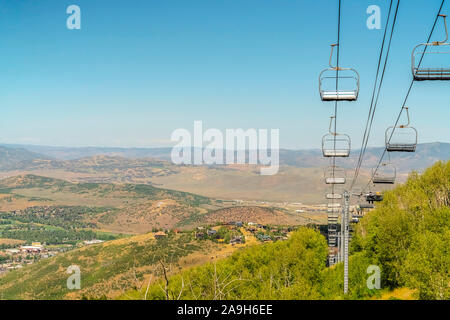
139, 69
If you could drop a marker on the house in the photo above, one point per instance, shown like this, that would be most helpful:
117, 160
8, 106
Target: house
31, 249
236, 240
239, 224
212, 232
199, 235
93, 242
264, 237
12, 251
160, 235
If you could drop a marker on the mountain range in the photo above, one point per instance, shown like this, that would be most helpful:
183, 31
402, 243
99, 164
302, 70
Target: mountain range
20, 156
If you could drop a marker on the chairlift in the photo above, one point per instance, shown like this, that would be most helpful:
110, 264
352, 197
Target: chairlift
333, 219
358, 214
334, 207
329, 77
431, 72
335, 175
354, 220
332, 228
385, 174
366, 206
401, 138
335, 144
333, 196
374, 197
336, 193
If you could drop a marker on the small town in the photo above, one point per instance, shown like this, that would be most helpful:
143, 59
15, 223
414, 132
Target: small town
20, 256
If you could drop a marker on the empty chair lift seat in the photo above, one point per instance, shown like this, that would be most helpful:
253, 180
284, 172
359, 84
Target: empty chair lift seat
335, 180
385, 174
366, 206
422, 74
339, 95
401, 138
335, 144
333, 196
428, 51
347, 78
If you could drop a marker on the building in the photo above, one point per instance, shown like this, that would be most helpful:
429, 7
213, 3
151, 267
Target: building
160, 235
93, 242
236, 240
199, 235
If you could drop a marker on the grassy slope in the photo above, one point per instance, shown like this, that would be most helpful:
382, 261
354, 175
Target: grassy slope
139, 207
107, 269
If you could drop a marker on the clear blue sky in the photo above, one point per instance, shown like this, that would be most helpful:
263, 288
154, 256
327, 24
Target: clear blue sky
139, 69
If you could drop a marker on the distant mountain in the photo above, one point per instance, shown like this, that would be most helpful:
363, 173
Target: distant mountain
425, 155
22, 156
72, 153
11, 157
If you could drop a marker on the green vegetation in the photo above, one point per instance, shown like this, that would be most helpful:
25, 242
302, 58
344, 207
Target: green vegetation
407, 236
52, 225
280, 270
67, 217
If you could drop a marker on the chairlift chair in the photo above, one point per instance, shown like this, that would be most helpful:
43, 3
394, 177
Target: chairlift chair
333, 196
332, 228
366, 206
332, 219
334, 207
330, 76
431, 73
401, 138
335, 144
335, 175
374, 197
385, 174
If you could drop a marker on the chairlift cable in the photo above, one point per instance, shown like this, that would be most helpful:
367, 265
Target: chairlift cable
407, 96
371, 114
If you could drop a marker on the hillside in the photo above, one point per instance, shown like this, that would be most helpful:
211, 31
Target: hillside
129, 208
425, 156
11, 158
407, 236
300, 178
124, 208
261, 215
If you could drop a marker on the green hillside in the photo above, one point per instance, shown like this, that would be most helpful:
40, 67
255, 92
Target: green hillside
120, 208
407, 236
107, 269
